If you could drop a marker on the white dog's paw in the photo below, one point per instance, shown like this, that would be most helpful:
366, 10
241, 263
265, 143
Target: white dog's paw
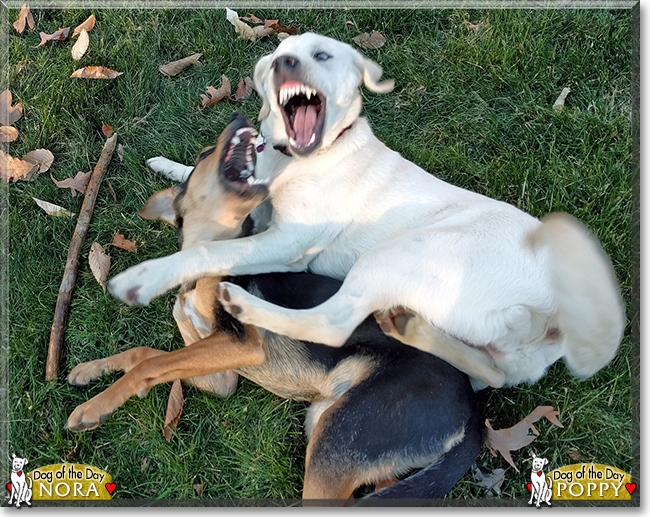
169, 169
139, 284
236, 301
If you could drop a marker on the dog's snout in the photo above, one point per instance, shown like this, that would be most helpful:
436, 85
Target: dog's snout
286, 63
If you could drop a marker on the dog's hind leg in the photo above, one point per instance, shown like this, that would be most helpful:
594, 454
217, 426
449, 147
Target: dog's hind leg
169, 169
218, 352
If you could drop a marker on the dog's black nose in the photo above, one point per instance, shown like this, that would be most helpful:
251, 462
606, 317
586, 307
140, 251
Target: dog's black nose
286, 63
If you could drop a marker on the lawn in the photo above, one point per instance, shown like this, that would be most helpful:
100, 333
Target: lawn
472, 104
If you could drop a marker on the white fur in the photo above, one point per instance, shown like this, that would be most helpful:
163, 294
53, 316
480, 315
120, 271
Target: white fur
399, 236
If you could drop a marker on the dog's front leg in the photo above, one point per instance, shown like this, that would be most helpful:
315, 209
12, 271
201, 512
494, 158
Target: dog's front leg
273, 251
216, 353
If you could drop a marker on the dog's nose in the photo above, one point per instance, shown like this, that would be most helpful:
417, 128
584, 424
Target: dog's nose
286, 63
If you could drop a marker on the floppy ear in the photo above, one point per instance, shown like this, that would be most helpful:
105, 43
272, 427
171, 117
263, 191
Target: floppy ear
160, 206
371, 73
261, 77
545, 461
13, 454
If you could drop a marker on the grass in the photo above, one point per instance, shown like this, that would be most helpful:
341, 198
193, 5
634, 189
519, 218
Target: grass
472, 106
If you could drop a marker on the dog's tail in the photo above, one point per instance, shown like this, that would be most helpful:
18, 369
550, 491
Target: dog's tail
591, 315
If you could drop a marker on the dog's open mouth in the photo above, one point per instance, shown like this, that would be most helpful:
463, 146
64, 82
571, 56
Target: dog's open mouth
237, 165
303, 110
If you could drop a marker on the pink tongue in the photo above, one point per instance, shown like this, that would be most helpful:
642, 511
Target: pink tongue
304, 124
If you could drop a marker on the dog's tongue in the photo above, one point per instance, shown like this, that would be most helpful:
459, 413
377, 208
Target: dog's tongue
304, 124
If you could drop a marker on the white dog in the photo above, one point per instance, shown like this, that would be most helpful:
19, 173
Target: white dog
540, 490
21, 486
495, 292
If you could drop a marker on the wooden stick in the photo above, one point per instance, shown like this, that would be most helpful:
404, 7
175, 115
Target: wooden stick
72, 263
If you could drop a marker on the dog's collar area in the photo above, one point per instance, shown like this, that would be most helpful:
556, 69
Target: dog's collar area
284, 149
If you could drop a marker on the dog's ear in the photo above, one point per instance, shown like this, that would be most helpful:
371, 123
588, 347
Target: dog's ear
26, 461
371, 73
534, 456
545, 461
160, 206
260, 78
13, 455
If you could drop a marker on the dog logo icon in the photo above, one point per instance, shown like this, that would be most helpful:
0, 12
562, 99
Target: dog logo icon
20, 486
539, 488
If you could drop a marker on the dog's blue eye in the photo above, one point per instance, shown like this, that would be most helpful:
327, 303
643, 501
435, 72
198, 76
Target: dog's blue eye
321, 56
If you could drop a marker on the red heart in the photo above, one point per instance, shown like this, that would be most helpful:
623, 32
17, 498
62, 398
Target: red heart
631, 487
9, 487
529, 487
539, 473
110, 487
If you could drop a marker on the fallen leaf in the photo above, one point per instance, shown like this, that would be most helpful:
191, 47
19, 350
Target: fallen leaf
252, 18
371, 41
558, 105
514, 438
69, 455
245, 31
576, 456
244, 88
41, 158
25, 16
120, 242
87, 25
120, 152
111, 191
483, 24
198, 488
144, 464
95, 72
14, 169
100, 263
215, 95
8, 133
59, 35
262, 30
491, 482
174, 409
227, 425
52, 209
80, 47
349, 23
173, 68
76, 184
9, 114
281, 28
283, 35
107, 130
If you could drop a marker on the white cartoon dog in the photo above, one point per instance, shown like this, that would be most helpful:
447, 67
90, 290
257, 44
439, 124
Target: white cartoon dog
538, 485
21, 487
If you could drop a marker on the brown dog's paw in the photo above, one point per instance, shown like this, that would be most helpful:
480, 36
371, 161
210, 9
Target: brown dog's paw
87, 416
394, 321
83, 373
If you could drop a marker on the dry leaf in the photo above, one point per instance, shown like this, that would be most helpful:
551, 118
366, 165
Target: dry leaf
107, 130
9, 114
8, 134
111, 191
95, 72
576, 456
69, 455
76, 184
174, 409
252, 18
144, 464
262, 30
59, 35
214, 94
227, 425
41, 158
100, 263
25, 16
120, 152
173, 68
516, 437
244, 88
558, 105
120, 242
14, 169
80, 47
244, 31
483, 24
349, 23
87, 25
198, 488
373, 41
52, 209
283, 35
490, 481
281, 28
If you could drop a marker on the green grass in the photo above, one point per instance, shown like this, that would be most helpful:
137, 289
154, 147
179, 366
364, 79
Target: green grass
472, 107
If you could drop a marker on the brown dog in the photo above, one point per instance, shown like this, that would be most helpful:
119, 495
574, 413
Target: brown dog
380, 410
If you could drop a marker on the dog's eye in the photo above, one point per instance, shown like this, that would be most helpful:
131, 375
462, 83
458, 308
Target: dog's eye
321, 56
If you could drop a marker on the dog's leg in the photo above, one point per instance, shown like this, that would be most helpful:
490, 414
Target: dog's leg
218, 352
83, 373
168, 169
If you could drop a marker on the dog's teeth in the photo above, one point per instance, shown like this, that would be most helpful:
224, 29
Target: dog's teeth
308, 94
236, 141
250, 180
312, 139
293, 142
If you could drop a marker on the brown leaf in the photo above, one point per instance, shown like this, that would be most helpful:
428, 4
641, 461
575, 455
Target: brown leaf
9, 114
576, 456
244, 88
107, 130
373, 41
120, 242
516, 437
120, 152
262, 30
8, 134
491, 481
111, 191
95, 72
76, 184
244, 31
227, 425
144, 464
349, 23
281, 28
40, 157
25, 16
69, 455
100, 263
14, 169
174, 409
87, 25
198, 488
251, 18
215, 95
173, 68
59, 35
80, 47
283, 35
52, 209
271, 23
